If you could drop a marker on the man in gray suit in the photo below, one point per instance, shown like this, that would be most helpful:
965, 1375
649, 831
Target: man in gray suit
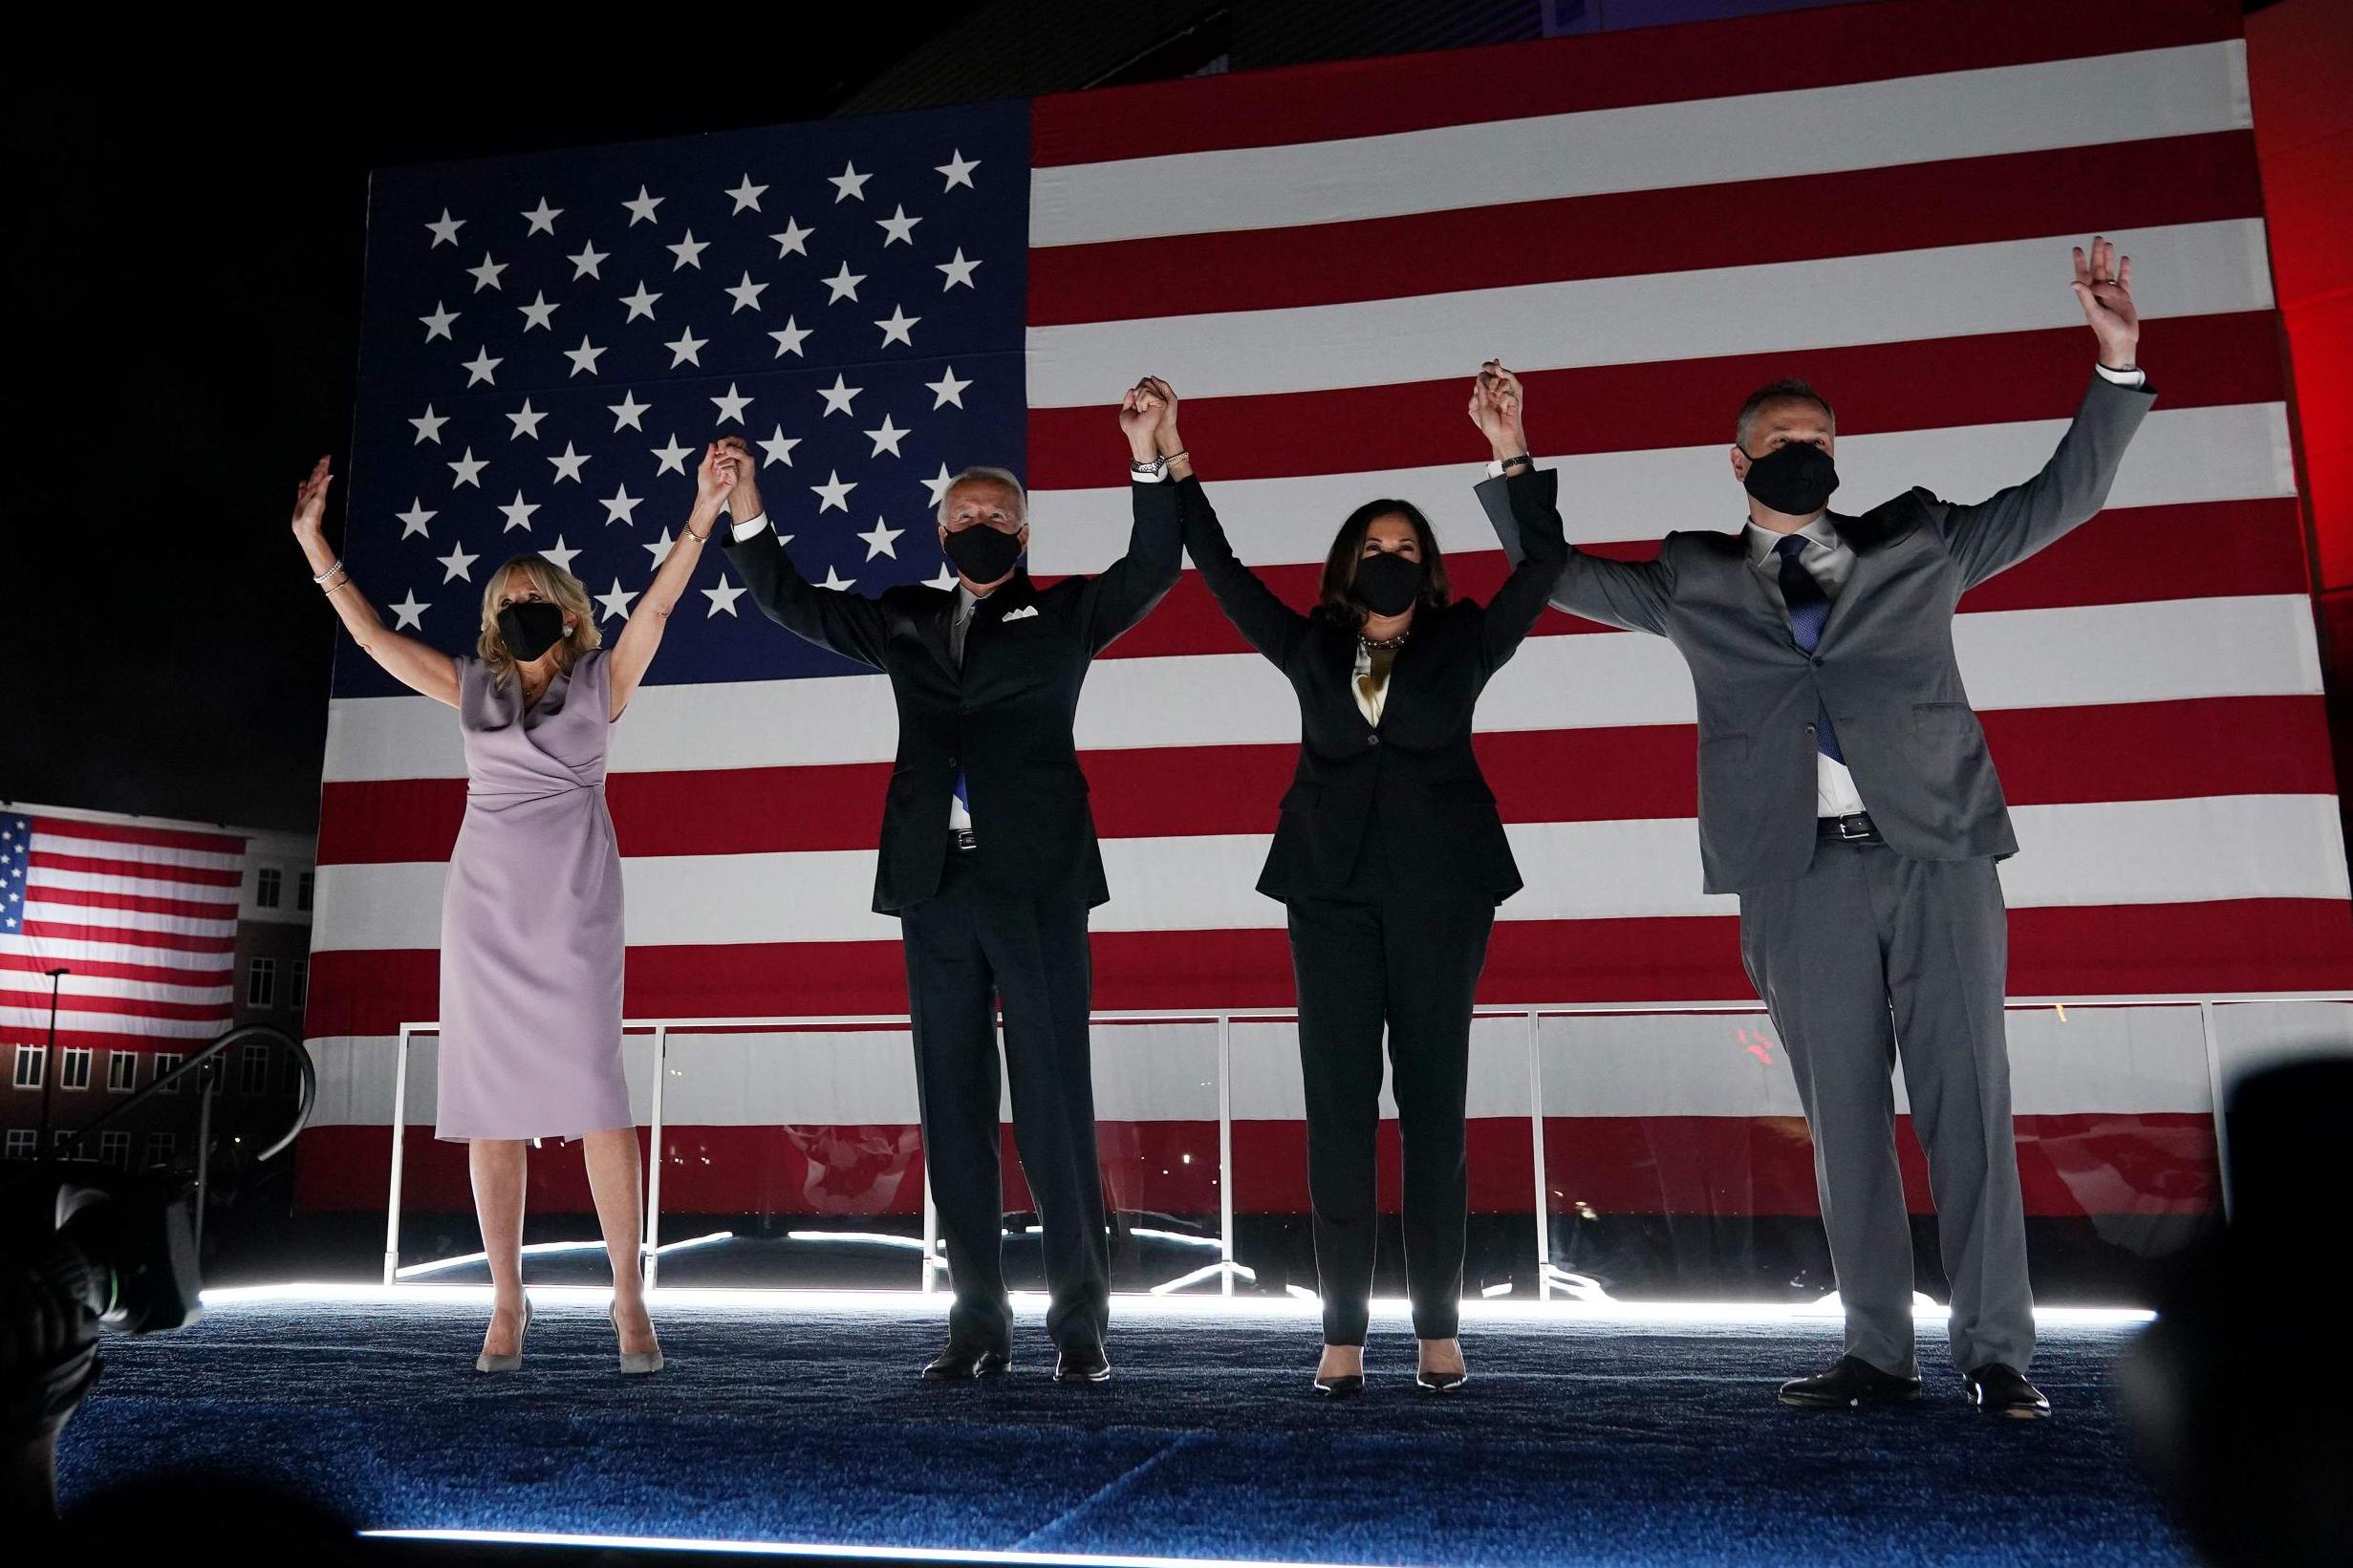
1846, 796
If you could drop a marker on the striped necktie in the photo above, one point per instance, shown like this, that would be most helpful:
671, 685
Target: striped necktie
1809, 610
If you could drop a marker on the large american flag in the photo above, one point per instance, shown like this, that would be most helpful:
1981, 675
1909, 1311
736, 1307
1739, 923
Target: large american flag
145, 918
1647, 224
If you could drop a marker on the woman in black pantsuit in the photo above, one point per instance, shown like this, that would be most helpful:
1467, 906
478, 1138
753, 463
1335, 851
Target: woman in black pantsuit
1390, 858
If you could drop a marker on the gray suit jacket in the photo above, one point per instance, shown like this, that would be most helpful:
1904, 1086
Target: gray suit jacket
1884, 665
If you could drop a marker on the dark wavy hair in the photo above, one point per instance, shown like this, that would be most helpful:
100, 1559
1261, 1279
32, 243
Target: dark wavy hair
1337, 594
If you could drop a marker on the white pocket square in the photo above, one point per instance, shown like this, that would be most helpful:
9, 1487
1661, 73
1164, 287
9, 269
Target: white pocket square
1028, 611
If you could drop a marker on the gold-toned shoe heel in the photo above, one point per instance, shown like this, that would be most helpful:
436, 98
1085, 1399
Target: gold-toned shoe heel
487, 1363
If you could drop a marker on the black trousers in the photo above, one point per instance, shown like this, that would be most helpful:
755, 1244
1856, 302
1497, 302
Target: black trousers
968, 947
1410, 962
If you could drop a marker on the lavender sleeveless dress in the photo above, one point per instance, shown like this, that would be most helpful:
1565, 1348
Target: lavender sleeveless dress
531, 932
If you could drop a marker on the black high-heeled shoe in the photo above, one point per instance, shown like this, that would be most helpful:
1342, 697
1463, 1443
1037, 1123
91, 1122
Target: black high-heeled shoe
1439, 1383
1344, 1385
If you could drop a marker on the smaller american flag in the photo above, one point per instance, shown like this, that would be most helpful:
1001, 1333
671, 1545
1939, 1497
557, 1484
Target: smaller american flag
143, 917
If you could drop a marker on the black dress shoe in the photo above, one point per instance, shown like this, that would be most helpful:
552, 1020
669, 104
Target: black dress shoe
1850, 1384
2003, 1390
1439, 1383
959, 1361
1345, 1386
1082, 1364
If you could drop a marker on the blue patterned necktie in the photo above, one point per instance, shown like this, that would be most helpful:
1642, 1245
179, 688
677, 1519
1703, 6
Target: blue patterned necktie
1809, 608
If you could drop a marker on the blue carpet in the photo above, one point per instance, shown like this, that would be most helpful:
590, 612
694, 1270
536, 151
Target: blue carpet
1572, 1443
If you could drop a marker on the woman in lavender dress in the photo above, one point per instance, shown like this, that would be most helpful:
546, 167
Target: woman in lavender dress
531, 937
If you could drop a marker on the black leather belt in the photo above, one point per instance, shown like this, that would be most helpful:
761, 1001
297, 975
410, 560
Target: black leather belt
1858, 828
959, 840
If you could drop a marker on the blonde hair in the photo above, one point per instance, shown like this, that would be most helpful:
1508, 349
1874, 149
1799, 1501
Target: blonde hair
556, 586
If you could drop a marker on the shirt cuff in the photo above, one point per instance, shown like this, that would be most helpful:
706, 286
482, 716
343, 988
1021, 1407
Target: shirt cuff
749, 527
1495, 469
2134, 377
1144, 476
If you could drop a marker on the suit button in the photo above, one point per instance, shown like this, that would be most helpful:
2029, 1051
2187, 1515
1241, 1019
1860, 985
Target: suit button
1809, 729
1817, 659
1372, 739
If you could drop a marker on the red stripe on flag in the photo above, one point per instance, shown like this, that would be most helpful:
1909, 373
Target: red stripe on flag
146, 871
1908, 206
1806, 49
153, 838
2250, 745
178, 941
1926, 384
2271, 944
148, 974
135, 903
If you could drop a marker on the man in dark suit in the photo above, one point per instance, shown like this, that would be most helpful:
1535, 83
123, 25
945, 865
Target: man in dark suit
1846, 795
990, 860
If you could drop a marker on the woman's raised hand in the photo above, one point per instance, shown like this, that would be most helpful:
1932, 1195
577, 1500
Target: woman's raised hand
311, 501
1495, 409
714, 476
1140, 412
1169, 442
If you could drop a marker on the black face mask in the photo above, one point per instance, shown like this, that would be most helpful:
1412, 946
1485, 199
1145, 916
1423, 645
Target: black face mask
980, 554
530, 629
1795, 480
1388, 583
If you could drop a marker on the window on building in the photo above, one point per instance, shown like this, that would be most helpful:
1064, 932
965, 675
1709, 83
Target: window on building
268, 884
261, 982
160, 1148
74, 1067
290, 1075
254, 1069
122, 1071
298, 983
32, 1064
166, 1064
306, 887
23, 1143
115, 1149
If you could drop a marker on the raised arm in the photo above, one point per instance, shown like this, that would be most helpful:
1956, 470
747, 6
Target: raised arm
2009, 525
632, 652
417, 665
848, 624
1521, 506
1511, 615
1125, 591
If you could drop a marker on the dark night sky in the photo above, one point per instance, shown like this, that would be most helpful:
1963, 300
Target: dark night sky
185, 263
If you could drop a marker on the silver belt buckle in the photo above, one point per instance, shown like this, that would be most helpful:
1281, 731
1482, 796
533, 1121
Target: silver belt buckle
1852, 828
960, 838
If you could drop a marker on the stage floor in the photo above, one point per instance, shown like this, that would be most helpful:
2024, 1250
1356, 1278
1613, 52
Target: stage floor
1585, 1436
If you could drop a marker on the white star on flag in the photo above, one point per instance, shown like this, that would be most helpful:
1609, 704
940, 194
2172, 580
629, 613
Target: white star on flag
899, 326
959, 270
558, 554
688, 251
788, 340
640, 304
466, 468
615, 602
585, 261
481, 367
745, 294
542, 218
672, 458
408, 611
641, 210
879, 540
844, 284
723, 597
731, 406
445, 232
584, 358
778, 448
747, 196
436, 325
838, 583
538, 312
886, 439
938, 485
625, 412
622, 507
659, 547
945, 580
486, 275
519, 513
834, 495
793, 238
685, 348
849, 183
568, 467
958, 170
525, 420
837, 395
429, 427
458, 563
415, 519
898, 228
948, 389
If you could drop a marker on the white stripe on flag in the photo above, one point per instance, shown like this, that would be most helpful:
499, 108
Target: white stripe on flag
129, 921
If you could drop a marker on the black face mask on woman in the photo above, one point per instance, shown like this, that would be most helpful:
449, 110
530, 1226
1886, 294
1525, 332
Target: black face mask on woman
1795, 480
980, 554
1388, 583
530, 629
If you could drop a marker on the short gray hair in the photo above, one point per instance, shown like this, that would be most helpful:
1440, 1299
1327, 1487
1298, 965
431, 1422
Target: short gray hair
995, 475
1792, 389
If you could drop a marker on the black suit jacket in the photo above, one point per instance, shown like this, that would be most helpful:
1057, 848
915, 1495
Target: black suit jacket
1415, 769
1005, 716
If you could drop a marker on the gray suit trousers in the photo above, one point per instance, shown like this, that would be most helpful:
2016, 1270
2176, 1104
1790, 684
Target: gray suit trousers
1867, 956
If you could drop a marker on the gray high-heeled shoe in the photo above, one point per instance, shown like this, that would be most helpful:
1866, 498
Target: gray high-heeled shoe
634, 1361
487, 1363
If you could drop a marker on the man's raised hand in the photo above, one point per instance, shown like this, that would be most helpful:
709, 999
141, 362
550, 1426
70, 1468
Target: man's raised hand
716, 475
744, 501
2104, 287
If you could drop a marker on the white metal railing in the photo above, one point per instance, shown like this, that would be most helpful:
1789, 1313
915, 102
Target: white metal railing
1227, 1269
